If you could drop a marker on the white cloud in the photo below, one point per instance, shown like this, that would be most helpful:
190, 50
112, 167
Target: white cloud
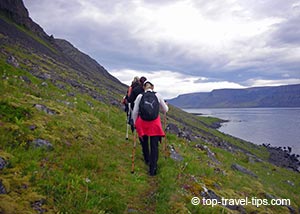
185, 45
193, 31
265, 82
171, 84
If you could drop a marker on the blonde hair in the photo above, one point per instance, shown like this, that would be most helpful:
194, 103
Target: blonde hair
136, 79
148, 85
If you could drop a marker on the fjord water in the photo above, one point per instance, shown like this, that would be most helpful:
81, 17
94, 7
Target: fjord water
275, 126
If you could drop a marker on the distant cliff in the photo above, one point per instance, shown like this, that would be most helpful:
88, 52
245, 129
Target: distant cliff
27, 43
15, 10
279, 96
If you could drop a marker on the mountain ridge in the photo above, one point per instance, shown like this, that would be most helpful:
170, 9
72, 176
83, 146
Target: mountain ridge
270, 96
84, 73
16, 10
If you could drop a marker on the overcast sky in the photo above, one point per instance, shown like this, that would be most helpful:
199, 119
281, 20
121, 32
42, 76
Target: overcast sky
182, 46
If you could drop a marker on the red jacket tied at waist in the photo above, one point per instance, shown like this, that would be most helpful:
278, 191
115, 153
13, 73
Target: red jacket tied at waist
149, 128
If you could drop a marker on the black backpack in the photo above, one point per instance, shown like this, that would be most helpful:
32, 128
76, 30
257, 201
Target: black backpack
149, 106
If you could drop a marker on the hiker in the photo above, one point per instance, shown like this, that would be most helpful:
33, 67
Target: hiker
135, 83
147, 121
136, 91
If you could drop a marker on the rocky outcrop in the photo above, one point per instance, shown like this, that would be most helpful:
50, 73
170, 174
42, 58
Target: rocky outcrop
15, 10
68, 63
283, 157
185, 133
242, 169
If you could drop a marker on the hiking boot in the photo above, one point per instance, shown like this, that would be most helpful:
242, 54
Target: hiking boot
153, 172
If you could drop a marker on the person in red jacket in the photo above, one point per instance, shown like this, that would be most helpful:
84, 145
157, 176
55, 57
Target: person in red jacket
149, 129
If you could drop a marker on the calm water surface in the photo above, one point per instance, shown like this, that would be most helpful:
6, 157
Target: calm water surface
277, 126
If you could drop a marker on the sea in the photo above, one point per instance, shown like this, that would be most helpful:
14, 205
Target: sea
274, 126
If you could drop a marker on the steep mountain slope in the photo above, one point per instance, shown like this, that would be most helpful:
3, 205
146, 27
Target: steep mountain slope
34, 47
63, 147
280, 96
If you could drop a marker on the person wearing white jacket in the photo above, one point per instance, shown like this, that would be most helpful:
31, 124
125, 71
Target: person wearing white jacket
152, 129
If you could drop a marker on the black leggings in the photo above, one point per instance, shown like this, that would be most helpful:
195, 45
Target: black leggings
152, 156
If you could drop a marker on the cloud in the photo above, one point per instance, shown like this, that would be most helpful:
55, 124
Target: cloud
264, 82
170, 84
235, 43
287, 33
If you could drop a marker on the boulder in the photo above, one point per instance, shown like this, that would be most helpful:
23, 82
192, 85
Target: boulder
243, 170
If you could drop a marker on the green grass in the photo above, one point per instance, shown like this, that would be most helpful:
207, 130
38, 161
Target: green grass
10, 113
88, 170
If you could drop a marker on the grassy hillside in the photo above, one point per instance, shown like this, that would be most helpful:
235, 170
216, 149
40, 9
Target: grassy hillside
87, 168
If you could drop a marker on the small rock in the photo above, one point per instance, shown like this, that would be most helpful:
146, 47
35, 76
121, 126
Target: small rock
32, 127
44, 84
269, 196
2, 163
44, 76
115, 103
42, 143
26, 79
37, 205
210, 154
89, 104
60, 86
130, 210
209, 194
290, 182
2, 188
12, 60
174, 155
45, 109
173, 129
71, 94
